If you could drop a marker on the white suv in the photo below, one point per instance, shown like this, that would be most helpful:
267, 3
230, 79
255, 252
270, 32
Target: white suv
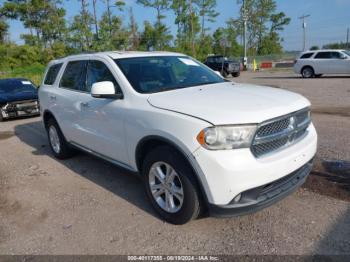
316, 63
200, 142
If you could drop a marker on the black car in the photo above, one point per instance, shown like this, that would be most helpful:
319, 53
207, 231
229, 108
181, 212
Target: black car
18, 97
223, 65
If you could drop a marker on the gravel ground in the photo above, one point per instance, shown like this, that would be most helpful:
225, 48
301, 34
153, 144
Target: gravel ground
87, 206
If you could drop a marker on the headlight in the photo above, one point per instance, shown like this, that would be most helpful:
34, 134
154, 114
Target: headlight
227, 137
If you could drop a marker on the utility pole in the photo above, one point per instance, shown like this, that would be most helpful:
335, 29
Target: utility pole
109, 17
245, 19
95, 19
347, 38
304, 30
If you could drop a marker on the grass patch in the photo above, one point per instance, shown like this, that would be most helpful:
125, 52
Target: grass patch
33, 73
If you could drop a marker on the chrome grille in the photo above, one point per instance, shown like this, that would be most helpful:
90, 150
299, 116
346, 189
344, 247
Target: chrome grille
280, 132
274, 127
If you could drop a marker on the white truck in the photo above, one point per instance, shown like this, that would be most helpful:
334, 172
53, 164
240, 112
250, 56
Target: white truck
202, 144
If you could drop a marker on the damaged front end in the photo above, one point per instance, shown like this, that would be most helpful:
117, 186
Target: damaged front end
19, 109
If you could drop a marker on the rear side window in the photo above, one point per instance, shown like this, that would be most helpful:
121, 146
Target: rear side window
98, 72
336, 55
306, 56
74, 76
52, 74
324, 55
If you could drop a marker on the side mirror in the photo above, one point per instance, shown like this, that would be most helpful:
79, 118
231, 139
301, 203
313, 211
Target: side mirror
105, 89
343, 57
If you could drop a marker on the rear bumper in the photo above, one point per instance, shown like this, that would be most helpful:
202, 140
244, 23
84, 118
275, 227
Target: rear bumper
261, 197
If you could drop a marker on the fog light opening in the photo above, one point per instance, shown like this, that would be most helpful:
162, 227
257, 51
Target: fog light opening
237, 198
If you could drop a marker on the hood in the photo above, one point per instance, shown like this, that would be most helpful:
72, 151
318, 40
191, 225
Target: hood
13, 97
230, 103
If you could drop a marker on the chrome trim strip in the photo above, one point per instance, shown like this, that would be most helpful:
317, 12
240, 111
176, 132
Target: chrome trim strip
108, 159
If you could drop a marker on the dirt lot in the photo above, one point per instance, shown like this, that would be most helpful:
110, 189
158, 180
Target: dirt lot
87, 206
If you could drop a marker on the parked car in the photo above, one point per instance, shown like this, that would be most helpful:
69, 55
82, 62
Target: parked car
316, 63
223, 65
18, 97
201, 143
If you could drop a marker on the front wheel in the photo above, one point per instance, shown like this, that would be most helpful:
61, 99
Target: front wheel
308, 72
237, 74
171, 186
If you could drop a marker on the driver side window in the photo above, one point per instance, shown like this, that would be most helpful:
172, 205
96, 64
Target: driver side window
97, 71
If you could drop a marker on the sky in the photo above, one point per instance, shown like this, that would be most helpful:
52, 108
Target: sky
328, 22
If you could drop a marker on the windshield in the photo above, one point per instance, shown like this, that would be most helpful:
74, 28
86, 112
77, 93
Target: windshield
14, 86
347, 52
164, 73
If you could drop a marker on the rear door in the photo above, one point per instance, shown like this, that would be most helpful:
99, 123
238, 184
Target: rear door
101, 120
67, 98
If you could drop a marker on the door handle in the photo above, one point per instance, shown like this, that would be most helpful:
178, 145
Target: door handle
84, 104
52, 97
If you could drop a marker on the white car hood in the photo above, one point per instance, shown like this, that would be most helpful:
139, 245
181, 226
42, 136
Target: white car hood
230, 103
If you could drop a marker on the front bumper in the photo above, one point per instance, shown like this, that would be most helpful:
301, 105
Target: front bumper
20, 109
233, 69
226, 174
261, 197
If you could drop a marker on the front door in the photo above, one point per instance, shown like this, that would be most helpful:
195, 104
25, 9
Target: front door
102, 120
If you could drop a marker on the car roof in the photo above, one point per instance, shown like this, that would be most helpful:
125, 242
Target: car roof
117, 55
323, 50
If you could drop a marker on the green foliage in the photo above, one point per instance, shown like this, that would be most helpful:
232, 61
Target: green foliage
161, 35
337, 46
315, 47
44, 19
207, 12
33, 73
50, 36
262, 26
3, 30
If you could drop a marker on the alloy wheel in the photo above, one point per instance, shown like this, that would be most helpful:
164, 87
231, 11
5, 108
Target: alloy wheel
166, 187
54, 140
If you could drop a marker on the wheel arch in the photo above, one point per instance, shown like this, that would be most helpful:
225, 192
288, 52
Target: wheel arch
148, 143
47, 115
305, 66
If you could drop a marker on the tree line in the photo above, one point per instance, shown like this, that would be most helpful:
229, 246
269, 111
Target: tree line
51, 35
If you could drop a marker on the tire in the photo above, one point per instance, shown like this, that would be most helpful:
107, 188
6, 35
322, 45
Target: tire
318, 76
184, 183
237, 74
308, 72
58, 144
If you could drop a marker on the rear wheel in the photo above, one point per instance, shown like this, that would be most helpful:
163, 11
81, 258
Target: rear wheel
308, 72
58, 144
237, 74
171, 185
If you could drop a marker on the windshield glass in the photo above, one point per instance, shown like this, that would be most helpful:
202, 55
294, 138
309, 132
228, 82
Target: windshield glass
347, 52
13, 86
164, 73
